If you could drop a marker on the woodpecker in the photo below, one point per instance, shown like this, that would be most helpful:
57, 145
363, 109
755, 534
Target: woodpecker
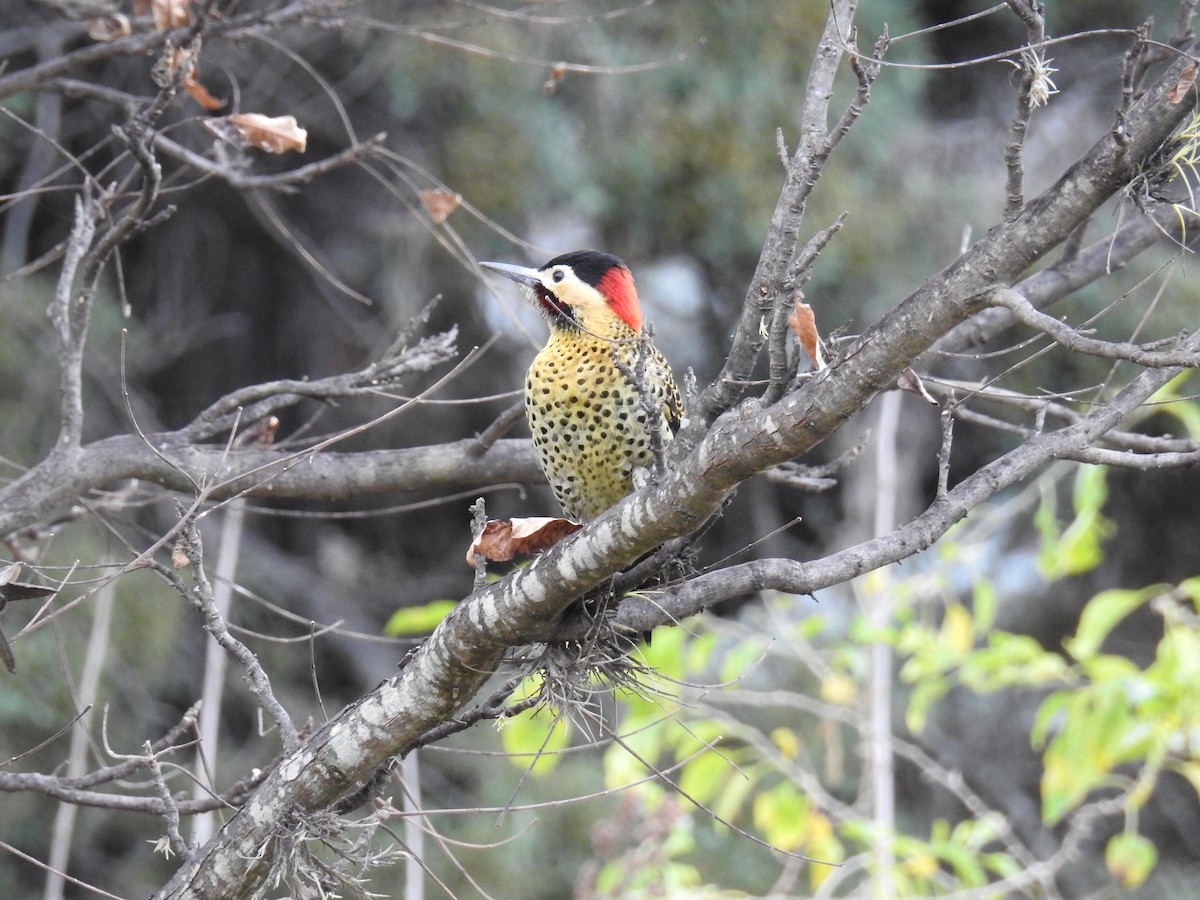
598, 396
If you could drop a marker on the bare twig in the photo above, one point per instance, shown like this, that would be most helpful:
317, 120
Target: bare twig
771, 277
496, 706
1150, 355
70, 315
1064, 277
201, 596
1032, 67
260, 400
943, 482
506, 420
1136, 59
170, 810
1183, 32
478, 524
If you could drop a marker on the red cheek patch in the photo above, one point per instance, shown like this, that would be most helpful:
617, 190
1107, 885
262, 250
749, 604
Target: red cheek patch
617, 286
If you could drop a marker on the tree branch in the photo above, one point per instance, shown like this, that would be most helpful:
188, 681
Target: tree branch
50, 488
1068, 337
770, 280
1064, 277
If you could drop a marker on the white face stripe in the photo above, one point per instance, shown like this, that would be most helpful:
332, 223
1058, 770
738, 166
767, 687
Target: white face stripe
555, 277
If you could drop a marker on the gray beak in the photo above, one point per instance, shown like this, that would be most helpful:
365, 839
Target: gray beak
520, 274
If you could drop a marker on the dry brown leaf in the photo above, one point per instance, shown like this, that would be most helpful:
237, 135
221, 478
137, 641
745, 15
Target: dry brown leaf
1187, 78
185, 60
109, 27
170, 14
503, 539
910, 381
439, 204
199, 92
804, 324
277, 134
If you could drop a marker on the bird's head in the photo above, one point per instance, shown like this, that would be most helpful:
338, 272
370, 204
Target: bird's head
585, 289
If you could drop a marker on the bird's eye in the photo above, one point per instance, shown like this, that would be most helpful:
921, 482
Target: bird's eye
557, 276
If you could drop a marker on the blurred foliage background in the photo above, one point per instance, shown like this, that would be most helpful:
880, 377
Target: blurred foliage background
665, 154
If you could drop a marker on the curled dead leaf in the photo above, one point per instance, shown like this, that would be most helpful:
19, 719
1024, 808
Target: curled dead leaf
439, 204
199, 92
1187, 78
910, 381
277, 134
185, 62
503, 539
804, 325
170, 14
108, 27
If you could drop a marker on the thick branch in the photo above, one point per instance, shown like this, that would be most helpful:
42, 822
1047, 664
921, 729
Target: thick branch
51, 488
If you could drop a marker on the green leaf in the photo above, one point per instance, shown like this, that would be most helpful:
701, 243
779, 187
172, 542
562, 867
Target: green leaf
728, 803
1091, 489
781, 814
700, 651
810, 626
705, 776
965, 863
1046, 522
666, 653
418, 619
532, 739
1012, 660
984, 602
1101, 615
1002, 864
1079, 548
1167, 400
1051, 712
1100, 731
1131, 858
924, 695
